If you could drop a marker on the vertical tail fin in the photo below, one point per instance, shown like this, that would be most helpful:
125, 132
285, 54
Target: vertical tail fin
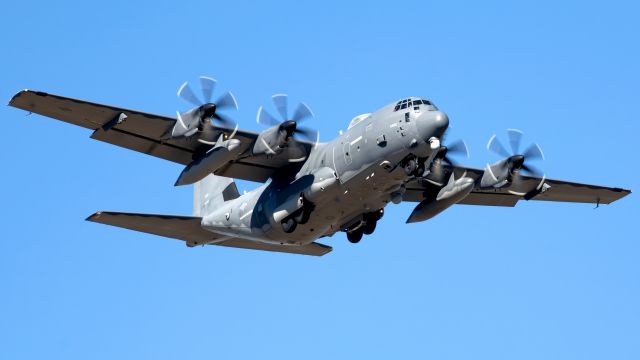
212, 191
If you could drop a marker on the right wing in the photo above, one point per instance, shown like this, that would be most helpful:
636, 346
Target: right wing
187, 228
558, 190
143, 132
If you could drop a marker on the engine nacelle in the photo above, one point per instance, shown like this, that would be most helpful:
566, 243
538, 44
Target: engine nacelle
188, 123
500, 173
496, 175
271, 141
453, 192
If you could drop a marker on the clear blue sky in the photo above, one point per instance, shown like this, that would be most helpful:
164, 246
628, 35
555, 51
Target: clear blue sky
539, 281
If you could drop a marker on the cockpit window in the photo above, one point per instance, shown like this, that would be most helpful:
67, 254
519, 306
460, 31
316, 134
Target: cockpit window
410, 103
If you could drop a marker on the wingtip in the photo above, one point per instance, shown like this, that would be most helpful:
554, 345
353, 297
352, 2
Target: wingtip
93, 217
22, 92
17, 95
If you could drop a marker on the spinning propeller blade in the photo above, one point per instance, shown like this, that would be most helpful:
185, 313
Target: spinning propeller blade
208, 85
290, 125
227, 101
534, 152
496, 146
458, 147
280, 102
206, 111
515, 137
517, 162
266, 119
186, 94
302, 112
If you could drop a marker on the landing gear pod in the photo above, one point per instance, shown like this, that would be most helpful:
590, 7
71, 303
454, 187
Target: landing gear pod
324, 180
290, 206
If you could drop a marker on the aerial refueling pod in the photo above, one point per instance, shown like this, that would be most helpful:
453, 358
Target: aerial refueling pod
453, 192
214, 159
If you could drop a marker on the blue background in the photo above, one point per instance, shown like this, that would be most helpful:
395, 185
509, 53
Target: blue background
538, 281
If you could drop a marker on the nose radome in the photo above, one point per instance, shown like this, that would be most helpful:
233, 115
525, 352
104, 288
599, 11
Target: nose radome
441, 121
432, 123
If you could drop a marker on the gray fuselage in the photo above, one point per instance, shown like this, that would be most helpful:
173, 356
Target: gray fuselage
357, 173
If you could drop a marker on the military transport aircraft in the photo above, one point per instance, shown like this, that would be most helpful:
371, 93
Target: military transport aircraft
311, 189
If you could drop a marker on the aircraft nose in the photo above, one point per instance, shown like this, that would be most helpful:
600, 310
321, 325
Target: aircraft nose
435, 123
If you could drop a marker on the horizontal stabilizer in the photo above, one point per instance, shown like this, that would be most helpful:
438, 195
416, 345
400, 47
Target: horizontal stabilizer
187, 228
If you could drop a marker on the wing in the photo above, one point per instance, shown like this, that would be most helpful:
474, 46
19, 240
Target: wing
556, 190
187, 228
143, 132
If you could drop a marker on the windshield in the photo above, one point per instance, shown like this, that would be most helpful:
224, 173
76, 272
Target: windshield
409, 103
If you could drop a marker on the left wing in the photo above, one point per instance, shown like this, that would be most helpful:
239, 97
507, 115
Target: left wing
555, 190
144, 132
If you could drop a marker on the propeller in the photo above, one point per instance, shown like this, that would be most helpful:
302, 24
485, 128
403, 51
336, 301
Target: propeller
514, 162
289, 124
205, 108
438, 172
458, 147
516, 159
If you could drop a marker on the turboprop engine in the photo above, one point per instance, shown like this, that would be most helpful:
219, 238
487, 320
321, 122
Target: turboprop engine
274, 139
506, 172
200, 118
452, 193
